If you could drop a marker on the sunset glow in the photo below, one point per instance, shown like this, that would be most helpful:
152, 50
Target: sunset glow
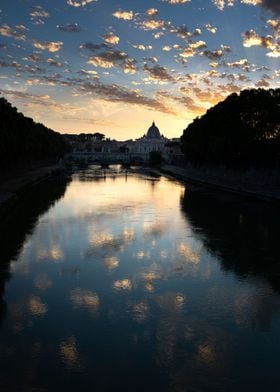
114, 67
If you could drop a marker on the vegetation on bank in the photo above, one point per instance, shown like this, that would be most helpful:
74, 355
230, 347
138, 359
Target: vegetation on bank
24, 142
242, 131
155, 158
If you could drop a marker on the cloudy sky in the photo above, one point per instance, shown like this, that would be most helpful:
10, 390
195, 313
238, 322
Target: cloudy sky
114, 66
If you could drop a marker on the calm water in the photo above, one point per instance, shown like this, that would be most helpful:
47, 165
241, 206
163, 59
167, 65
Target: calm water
134, 283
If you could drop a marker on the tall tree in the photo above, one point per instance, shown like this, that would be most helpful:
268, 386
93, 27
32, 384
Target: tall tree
243, 129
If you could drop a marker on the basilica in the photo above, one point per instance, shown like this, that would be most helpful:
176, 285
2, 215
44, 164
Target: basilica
151, 141
141, 148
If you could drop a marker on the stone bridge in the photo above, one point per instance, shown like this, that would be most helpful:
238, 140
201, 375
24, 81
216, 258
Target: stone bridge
106, 158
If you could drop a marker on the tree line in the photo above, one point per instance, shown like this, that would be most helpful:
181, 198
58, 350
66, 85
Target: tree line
24, 142
243, 130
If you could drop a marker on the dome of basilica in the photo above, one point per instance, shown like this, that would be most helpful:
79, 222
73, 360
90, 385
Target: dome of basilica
153, 132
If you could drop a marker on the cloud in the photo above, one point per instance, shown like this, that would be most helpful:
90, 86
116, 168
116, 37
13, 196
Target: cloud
192, 49
221, 4
111, 38
33, 57
241, 64
14, 64
33, 69
69, 28
17, 33
159, 74
275, 26
43, 98
152, 12
166, 48
275, 53
262, 83
88, 73
117, 93
142, 47
211, 28
154, 24
94, 47
105, 56
251, 38
54, 63
79, 3
153, 60
125, 15
217, 53
185, 100
39, 12
214, 54
129, 66
99, 61
176, 1
108, 59
184, 33
252, 2
270, 5
50, 46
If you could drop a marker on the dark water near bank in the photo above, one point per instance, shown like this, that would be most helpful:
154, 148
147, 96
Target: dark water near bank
134, 283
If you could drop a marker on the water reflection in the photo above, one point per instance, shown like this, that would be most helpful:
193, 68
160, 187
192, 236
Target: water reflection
134, 284
123, 284
243, 235
85, 298
20, 224
36, 307
69, 353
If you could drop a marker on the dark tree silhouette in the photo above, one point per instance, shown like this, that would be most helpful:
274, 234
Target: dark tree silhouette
22, 141
155, 158
242, 130
99, 136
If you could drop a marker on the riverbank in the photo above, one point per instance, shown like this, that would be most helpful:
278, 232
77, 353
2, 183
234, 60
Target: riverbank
264, 186
13, 188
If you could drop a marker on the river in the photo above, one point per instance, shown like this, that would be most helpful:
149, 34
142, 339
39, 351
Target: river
128, 281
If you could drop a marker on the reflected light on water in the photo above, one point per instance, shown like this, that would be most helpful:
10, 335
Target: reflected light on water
140, 311
68, 353
101, 239
207, 353
128, 234
150, 287
189, 255
179, 300
54, 253
37, 307
123, 284
111, 262
151, 276
85, 298
42, 282
151, 294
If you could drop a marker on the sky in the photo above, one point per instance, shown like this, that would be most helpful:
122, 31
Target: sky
115, 66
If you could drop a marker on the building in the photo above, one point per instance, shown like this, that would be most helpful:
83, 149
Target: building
151, 141
138, 150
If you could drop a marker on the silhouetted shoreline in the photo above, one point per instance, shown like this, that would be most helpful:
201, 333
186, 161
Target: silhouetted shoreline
12, 190
250, 183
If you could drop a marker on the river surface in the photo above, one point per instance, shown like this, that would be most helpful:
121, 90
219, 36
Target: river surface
128, 281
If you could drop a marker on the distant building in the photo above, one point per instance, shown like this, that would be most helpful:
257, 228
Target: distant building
151, 141
138, 149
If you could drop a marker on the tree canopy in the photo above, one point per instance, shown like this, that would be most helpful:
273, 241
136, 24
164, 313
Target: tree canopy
24, 141
242, 130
